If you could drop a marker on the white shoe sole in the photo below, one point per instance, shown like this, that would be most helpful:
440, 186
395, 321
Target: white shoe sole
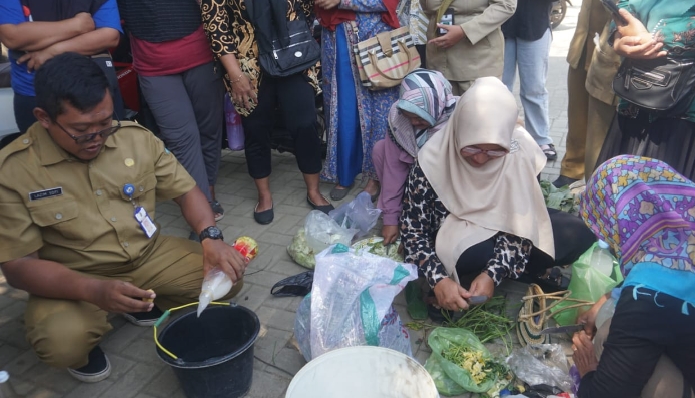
92, 377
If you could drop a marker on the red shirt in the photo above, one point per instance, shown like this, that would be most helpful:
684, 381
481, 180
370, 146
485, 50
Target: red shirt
170, 57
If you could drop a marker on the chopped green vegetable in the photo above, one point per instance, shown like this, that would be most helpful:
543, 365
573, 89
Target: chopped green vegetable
300, 251
376, 246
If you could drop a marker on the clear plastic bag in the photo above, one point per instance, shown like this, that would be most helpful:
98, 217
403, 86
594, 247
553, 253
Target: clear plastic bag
300, 251
359, 214
351, 303
322, 231
541, 364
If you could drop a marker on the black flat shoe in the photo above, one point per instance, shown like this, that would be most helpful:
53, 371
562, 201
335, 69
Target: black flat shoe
338, 194
323, 208
564, 180
264, 217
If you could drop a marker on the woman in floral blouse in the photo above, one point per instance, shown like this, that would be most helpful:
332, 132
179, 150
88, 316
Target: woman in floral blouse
257, 95
655, 29
473, 205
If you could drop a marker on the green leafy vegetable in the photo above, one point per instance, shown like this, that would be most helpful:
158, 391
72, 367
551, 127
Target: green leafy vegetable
560, 198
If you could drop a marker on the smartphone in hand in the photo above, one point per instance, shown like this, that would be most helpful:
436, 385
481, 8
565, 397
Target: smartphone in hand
613, 9
447, 19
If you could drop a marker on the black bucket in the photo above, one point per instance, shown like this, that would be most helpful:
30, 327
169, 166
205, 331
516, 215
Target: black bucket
215, 351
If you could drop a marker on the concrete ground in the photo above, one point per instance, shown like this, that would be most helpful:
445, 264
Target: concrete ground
137, 370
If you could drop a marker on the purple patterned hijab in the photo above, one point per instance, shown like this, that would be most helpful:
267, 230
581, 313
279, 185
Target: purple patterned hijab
644, 209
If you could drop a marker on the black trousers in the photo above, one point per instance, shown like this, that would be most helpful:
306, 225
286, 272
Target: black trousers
571, 236
294, 98
641, 331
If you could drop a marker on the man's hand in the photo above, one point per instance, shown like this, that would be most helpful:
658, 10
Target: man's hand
584, 355
390, 233
450, 295
483, 285
327, 4
217, 253
119, 297
454, 34
36, 59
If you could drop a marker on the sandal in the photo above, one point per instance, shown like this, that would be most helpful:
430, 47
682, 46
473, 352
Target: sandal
340, 193
217, 209
297, 285
549, 151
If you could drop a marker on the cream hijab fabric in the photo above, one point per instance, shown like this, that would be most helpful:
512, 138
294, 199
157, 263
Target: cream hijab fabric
501, 195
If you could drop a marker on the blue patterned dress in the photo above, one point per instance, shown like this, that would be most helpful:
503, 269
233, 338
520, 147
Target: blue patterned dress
372, 106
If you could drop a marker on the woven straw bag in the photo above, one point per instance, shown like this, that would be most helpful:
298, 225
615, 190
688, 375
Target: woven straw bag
536, 310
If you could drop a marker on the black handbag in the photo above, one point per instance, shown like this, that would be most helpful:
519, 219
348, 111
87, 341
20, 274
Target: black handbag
301, 52
285, 47
662, 84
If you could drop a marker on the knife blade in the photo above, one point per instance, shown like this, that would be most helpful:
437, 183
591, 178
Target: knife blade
563, 329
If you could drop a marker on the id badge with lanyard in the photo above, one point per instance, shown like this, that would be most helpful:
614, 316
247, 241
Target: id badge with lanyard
140, 214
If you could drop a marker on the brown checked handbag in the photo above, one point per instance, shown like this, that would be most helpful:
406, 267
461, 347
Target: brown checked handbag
384, 60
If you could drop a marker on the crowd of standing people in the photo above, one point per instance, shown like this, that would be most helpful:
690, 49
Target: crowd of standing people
443, 152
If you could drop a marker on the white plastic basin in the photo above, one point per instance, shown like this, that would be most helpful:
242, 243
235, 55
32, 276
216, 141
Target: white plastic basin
362, 372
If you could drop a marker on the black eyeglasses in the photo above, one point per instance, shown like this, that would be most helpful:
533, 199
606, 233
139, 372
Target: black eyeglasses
82, 139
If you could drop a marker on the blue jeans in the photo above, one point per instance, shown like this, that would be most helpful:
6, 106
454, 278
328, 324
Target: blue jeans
532, 59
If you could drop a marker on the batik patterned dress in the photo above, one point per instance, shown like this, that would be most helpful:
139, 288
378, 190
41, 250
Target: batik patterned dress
373, 106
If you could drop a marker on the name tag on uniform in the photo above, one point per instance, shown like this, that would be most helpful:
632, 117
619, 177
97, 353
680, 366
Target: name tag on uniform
145, 221
45, 193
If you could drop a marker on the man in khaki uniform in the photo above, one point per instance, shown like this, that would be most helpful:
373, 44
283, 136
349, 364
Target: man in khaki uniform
592, 102
473, 46
77, 200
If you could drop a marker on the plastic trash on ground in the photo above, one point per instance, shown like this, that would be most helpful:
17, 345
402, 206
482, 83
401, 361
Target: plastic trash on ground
541, 364
359, 214
350, 303
322, 231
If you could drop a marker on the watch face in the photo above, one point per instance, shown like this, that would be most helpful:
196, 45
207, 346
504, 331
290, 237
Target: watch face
214, 232
211, 232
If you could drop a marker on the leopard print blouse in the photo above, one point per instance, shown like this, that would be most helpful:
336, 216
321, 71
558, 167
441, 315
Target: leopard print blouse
422, 216
229, 30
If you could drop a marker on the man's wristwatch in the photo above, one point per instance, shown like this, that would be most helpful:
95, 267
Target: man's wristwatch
212, 233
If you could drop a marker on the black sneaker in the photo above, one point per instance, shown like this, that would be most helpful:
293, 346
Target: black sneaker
144, 318
97, 369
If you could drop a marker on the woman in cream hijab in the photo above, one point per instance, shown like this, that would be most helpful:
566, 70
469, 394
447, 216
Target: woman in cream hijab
473, 204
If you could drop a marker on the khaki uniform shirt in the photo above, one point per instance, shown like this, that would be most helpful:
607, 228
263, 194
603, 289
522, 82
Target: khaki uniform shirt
601, 63
75, 212
481, 52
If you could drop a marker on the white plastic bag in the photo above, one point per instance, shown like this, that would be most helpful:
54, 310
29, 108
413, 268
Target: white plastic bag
359, 214
351, 303
322, 231
541, 364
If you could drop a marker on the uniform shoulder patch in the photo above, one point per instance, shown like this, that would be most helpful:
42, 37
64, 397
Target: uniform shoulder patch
21, 143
